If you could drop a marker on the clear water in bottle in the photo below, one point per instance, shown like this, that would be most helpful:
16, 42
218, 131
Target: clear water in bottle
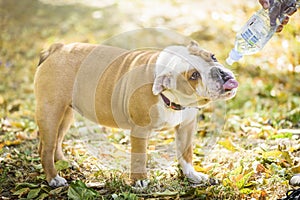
252, 37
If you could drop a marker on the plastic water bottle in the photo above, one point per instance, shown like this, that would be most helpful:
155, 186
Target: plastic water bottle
252, 37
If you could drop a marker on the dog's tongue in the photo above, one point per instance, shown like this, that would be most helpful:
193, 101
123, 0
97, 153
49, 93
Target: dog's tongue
230, 84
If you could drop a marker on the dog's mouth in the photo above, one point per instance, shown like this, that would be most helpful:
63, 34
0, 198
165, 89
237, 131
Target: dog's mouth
229, 89
226, 84
224, 78
230, 84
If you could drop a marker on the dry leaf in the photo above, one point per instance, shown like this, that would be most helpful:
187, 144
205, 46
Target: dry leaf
228, 144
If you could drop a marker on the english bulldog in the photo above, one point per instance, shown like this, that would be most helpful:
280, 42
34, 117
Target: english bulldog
144, 90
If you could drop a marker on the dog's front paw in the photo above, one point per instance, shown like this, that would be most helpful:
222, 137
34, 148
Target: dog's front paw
142, 183
58, 182
295, 180
197, 177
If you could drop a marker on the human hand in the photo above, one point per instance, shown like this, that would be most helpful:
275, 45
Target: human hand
265, 3
279, 9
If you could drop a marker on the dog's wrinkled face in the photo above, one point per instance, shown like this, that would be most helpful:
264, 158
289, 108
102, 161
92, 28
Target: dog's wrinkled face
193, 77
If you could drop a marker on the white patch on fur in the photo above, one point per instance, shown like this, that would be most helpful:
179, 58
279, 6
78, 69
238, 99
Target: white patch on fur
171, 118
180, 98
163, 82
193, 176
142, 183
178, 59
169, 63
172, 58
58, 181
295, 180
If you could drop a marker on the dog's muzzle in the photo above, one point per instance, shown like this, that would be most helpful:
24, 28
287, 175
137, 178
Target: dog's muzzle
226, 79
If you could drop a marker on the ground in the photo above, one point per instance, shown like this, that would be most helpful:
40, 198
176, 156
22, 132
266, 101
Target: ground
250, 143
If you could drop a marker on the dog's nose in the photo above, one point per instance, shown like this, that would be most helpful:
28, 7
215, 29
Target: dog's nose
218, 73
225, 78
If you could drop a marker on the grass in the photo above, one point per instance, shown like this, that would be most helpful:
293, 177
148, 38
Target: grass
253, 154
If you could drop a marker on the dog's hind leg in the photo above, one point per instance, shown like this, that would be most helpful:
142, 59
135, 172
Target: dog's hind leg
139, 141
49, 117
63, 128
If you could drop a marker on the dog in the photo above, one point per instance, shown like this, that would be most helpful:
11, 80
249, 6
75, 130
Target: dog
144, 90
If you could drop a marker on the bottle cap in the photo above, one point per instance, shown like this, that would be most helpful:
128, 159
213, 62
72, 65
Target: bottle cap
229, 61
234, 56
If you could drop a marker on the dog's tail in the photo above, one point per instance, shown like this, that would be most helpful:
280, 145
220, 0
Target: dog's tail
46, 53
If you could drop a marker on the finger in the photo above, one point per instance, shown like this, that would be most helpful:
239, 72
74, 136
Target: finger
279, 28
284, 20
290, 11
265, 3
274, 12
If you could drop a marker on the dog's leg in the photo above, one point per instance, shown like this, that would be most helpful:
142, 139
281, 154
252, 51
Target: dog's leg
49, 119
138, 158
184, 135
64, 127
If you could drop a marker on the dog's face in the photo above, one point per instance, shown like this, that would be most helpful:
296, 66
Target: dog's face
192, 76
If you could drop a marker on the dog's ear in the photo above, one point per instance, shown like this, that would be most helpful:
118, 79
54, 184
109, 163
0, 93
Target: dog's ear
162, 83
193, 44
195, 49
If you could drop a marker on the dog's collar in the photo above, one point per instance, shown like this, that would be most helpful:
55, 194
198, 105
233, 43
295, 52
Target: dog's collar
170, 104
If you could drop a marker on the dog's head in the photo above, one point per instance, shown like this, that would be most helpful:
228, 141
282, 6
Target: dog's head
192, 77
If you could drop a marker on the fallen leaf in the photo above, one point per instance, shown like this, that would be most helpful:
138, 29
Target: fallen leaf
272, 154
42, 196
263, 193
237, 170
27, 136
12, 143
33, 193
281, 135
25, 185
228, 144
61, 165
281, 156
246, 191
201, 169
227, 182
78, 190
56, 191
260, 168
165, 193
17, 124
21, 192
151, 147
296, 169
245, 178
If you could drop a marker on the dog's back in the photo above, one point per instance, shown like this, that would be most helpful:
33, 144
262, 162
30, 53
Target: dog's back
102, 83
56, 70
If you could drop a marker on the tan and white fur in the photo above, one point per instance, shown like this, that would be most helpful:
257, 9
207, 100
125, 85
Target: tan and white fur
128, 91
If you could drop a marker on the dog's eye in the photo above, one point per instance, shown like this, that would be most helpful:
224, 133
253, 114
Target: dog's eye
196, 75
213, 58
